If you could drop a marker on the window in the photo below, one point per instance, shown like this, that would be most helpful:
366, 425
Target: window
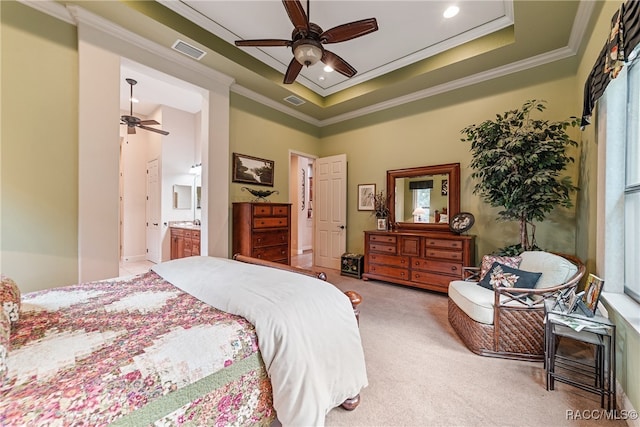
632, 186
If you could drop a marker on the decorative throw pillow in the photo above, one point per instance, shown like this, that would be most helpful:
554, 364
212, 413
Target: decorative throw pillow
10, 298
488, 260
5, 333
505, 276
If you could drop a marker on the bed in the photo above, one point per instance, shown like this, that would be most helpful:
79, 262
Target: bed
197, 341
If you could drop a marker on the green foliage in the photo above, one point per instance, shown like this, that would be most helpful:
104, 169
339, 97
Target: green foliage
518, 162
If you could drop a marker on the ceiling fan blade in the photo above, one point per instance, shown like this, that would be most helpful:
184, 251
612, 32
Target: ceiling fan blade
131, 130
349, 31
338, 64
263, 42
160, 131
149, 122
296, 14
292, 71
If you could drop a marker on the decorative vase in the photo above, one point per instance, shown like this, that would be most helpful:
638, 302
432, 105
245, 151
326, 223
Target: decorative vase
382, 223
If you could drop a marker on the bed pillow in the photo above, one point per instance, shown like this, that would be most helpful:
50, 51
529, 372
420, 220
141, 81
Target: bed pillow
5, 333
488, 260
503, 275
10, 298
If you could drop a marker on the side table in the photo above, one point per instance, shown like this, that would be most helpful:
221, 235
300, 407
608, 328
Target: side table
598, 377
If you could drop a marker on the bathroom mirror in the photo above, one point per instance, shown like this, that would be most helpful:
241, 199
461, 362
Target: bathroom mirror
424, 198
182, 196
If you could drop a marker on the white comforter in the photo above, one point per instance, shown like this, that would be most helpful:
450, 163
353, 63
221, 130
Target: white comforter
307, 332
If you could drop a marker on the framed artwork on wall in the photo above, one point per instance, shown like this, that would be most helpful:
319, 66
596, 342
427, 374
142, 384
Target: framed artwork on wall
365, 196
252, 170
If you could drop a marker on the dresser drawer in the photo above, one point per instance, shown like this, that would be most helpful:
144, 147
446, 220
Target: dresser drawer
271, 253
270, 238
452, 269
450, 255
270, 210
385, 270
270, 222
379, 247
382, 238
399, 261
442, 243
430, 278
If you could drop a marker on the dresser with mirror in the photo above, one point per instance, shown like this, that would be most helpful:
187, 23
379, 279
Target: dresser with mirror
420, 250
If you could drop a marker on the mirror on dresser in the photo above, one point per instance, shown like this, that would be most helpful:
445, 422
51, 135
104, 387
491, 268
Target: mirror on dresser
424, 198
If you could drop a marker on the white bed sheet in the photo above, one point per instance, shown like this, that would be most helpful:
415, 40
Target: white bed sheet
307, 332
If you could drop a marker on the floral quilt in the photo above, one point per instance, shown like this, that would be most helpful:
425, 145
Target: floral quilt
134, 351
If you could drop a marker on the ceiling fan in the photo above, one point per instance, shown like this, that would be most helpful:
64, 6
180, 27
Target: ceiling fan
133, 122
307, 39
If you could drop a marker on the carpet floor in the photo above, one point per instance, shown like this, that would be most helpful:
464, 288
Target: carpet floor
421, 374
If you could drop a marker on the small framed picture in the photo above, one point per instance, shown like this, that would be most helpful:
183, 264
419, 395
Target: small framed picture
366, 192
592, 291
252, 170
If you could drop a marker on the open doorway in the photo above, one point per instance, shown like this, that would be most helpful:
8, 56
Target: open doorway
302, 215
155, 169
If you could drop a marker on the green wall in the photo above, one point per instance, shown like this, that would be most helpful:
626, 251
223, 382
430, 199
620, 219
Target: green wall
39, 145
427, 132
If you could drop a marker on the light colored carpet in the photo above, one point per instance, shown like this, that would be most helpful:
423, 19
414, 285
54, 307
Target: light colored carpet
421, 374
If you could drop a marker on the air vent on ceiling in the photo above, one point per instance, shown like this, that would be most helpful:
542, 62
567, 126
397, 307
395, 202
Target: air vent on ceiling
292, 99
189, 50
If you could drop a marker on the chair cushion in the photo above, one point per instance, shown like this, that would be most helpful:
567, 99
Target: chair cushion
474, 300
488, 260
555, 269
503, 275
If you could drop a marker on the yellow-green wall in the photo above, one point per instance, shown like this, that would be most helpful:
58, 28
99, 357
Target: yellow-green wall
39, 144
427, 132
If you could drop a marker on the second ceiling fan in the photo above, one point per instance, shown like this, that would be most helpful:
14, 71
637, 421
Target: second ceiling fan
307, 41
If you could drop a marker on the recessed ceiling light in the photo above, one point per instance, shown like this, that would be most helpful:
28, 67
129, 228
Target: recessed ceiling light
328, 69
321, 78
451, 11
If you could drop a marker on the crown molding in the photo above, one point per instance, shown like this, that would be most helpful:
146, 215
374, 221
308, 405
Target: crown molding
583, 15
254, 96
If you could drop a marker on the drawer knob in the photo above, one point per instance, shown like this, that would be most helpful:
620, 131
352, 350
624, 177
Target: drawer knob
454, 268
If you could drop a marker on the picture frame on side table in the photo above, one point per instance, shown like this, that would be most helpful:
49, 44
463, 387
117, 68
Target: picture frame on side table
252, 170
366, 193
592, 291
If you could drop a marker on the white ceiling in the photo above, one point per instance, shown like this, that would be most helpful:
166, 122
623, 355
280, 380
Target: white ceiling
409, 31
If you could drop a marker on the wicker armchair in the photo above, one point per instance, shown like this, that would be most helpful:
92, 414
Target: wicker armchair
508, 322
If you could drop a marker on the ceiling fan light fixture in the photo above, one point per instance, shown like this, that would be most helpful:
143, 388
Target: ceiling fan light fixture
308, 52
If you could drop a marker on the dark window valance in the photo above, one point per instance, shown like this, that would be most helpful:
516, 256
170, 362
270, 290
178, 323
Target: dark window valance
623, 38
420, 185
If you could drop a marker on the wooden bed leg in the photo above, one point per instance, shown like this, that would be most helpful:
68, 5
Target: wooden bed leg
355, 299
351, 403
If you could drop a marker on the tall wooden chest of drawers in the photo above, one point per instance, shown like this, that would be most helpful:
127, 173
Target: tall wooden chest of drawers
428, 260
262, 230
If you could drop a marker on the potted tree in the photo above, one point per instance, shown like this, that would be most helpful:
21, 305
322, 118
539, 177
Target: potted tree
518, 162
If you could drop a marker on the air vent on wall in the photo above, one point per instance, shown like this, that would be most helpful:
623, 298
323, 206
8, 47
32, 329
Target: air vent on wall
292, 99
189, 50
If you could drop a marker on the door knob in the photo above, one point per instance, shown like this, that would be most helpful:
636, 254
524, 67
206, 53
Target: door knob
341, 227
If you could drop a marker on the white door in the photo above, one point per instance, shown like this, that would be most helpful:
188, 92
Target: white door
153, 212
330, 210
